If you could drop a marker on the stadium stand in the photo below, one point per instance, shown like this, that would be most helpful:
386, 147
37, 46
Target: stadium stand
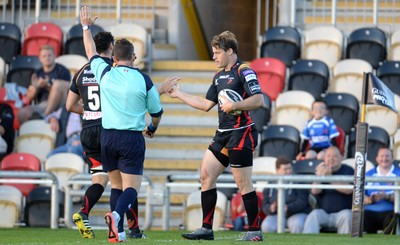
73, 62
21, 162
382, 117
10, 206
396, 144
2, 71
271, 75
348, 77
394, 50
283, 43
311, 76
368, 44
351, 162
42, 33
323, 43
280, 140
10, 41
305, 166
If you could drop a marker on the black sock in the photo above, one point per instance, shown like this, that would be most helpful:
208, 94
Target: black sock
132, 217
208, 202
92, 195
250, 201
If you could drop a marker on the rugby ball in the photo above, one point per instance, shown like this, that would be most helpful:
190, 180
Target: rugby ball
229, 94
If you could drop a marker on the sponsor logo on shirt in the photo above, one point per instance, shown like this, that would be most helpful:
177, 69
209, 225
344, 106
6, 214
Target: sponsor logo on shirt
247, 72
254, 87
89, 80
250, 77
91, 115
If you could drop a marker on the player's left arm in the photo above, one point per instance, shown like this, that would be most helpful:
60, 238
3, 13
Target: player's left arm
72, 104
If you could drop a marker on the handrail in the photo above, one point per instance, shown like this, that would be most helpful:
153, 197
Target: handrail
43, 177
283, 182
86, 179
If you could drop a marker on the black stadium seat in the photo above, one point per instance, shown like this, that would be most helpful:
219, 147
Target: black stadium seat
21, 70
377, 138
10, 41
74, 41
389, 73
309, 75
368, 44
283, 43
261, 116
280, 140
343, 108
306, 166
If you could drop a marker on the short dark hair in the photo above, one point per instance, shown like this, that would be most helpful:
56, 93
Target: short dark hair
123, 49
103, 40
225, 41
319, 100
282, 160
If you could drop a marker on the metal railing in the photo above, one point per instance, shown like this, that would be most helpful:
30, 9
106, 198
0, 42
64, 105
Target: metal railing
281, 183
41, 177
86, 179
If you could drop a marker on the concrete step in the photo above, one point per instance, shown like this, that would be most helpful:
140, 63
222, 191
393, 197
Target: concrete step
184, 65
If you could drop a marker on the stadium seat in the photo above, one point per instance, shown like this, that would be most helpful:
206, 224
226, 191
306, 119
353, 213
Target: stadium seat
283, 43
368, 44
38, 205
293, 108
73, 62
42, 33
323, 43
394, 51
351, 162
264, 165
21, 70
396, 144
271, 75
193, 211
63, 166
306, 166
389, 73
21, 162
280, 140
2, 72
383, 117
343, 109
340, 140
261, 116
74, 39
311, 76
37, 138
377, 137
10, 206
138, 35
10, 41
348, 77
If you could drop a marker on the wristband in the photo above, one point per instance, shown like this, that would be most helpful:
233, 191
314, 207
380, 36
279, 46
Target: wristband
151, 128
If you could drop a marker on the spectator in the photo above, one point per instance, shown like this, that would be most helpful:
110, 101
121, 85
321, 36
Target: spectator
379, 206
334, 205
296, 203
7, 132
318, 133
48, 89
68, 128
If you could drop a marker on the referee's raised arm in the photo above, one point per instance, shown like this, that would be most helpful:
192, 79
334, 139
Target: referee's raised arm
88, 41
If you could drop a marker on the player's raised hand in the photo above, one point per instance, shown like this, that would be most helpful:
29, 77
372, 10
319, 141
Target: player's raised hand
86, 19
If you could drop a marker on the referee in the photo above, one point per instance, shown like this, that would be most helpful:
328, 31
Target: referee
126, 96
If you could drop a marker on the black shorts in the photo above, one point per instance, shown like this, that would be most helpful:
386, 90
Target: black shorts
239, 144
90, 139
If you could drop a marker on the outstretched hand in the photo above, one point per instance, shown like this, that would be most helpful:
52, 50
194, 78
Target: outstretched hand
173, 92
86, 19
167, 85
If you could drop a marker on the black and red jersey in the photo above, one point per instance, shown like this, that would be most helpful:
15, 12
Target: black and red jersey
242, 79
86, 86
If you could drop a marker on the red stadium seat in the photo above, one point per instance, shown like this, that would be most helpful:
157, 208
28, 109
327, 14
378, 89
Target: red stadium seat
39, 34
21, 162
271, 74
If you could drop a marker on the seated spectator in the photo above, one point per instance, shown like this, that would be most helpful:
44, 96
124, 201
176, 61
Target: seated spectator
48, 89
296, 203
379, 204
238, 213
334, 205
318, 134
68, 127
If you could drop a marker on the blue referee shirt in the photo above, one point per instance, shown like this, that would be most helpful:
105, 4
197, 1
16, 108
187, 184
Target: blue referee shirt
126, 96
